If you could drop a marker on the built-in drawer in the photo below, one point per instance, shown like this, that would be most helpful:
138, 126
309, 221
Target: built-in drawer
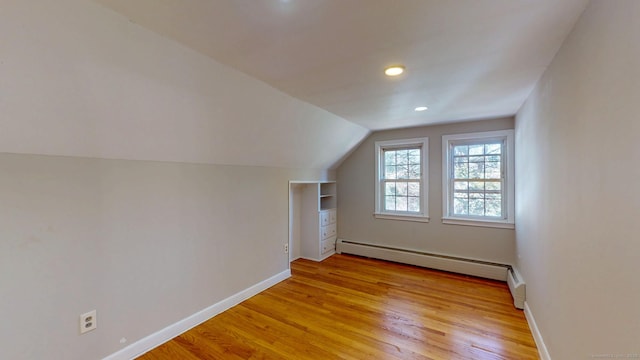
328, 231
325, 218
333, 216
328, 245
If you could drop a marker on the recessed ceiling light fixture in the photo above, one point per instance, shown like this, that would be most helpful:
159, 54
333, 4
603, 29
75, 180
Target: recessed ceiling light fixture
421, 108
394, 70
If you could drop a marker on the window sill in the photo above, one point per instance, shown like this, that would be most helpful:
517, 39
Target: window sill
480, 223
417, 218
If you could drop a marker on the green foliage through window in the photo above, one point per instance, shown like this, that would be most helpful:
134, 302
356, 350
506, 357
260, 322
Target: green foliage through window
401, 179
477, 179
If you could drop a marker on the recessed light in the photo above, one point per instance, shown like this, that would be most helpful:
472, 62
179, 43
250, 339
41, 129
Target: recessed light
394, 70
421, 108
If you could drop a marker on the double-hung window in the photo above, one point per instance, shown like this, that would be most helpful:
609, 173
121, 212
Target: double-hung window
401, 179
478, 179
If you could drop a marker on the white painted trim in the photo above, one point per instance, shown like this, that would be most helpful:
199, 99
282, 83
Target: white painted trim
160, 337
322, 257
311, 182
537, 336
290, 224
509, 162
423, 143
387, 216
327, 255
479, 223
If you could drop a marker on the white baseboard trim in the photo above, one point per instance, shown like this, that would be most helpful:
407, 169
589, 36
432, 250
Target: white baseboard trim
542, 348
160, 337
322, 257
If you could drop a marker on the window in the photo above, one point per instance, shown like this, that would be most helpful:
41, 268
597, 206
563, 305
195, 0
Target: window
401, 179
478, 183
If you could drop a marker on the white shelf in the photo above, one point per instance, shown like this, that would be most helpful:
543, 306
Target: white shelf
327, 195
319, 220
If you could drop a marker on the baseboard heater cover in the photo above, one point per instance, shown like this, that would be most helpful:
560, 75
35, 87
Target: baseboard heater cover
517, 288
485, 269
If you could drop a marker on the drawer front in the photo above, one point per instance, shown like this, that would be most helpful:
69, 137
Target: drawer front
328, 231
324, 218
328, 245
333, 216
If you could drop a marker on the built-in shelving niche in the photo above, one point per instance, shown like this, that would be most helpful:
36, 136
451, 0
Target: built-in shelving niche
328, 196
309, 203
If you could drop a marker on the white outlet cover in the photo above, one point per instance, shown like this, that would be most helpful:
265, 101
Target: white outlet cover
88, 321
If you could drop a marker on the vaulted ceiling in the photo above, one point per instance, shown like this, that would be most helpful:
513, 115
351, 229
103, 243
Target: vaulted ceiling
464, 59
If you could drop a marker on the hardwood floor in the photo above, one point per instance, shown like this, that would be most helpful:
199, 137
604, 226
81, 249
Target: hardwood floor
349, 307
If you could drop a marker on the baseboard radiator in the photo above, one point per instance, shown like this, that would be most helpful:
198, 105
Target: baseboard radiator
485, 269
517, 288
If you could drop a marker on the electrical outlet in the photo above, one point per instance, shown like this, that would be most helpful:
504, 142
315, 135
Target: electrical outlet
286, 248
88, 321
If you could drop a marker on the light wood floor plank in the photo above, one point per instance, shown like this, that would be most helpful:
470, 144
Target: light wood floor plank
349, 307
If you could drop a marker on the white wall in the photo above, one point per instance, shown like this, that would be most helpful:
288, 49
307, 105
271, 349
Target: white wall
145, 243
81, 80
577, 199
295, 220
164, 231
356, 202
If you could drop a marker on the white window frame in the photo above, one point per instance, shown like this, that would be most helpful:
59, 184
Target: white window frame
508, 189
380, 213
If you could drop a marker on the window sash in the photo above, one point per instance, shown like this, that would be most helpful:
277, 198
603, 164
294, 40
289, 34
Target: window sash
401, 165
453, 179
487, 189
411, 199
401, 179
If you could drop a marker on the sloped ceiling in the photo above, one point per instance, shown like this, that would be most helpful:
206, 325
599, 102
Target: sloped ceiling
281, 83
81, 80
465, 59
